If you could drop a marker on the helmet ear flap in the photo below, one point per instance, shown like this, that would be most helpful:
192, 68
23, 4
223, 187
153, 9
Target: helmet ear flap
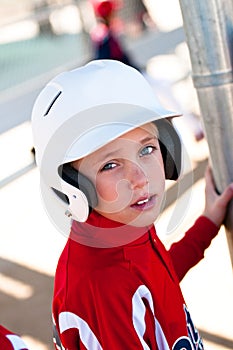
78, 180
170, 146
170, 168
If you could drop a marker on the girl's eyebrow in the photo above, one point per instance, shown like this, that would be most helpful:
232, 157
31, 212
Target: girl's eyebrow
106, 156
113, 153
149, 138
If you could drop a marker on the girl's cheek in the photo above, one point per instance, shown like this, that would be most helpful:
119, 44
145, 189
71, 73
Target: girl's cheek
106, 191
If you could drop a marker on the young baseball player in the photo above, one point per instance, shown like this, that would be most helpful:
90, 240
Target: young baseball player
105, 147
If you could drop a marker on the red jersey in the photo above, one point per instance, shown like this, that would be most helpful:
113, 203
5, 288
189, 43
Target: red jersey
126, 296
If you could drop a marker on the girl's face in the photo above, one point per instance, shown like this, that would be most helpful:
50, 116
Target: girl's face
128, 174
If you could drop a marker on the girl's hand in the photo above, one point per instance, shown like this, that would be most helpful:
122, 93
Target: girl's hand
216, 204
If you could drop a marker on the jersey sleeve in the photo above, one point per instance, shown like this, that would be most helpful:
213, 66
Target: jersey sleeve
10, 340
187, 252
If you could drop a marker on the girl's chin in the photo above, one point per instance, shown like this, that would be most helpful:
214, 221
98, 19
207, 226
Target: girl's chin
141, 220
137, 218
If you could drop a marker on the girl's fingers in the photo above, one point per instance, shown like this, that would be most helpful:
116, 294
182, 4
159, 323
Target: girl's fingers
227, 195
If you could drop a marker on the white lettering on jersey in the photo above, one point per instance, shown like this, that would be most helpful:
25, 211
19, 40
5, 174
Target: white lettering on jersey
139, 311
69, 320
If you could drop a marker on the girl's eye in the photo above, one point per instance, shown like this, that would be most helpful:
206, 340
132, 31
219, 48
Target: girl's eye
108, 166
147, 150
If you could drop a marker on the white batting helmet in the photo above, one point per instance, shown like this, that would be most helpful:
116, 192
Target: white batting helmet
82, 110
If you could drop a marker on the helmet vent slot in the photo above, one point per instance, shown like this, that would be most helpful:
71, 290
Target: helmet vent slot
61, 195
52, 103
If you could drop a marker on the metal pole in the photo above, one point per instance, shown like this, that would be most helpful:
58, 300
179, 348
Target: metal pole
209, 33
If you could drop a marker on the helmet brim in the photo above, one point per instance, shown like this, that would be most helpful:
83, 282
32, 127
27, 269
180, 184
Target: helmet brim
101, 130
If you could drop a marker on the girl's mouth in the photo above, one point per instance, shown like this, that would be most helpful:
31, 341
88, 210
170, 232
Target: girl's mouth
144, 203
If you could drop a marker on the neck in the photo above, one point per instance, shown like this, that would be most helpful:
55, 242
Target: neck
101, 232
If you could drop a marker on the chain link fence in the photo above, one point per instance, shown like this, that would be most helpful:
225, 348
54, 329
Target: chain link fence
39, 38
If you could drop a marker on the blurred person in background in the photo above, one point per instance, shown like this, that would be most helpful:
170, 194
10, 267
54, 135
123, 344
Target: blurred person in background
107, 45
140, 18
105, 41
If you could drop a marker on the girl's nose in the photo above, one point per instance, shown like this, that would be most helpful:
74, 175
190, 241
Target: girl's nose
136, 176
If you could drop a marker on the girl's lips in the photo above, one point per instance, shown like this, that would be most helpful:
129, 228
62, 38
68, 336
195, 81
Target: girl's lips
144, 203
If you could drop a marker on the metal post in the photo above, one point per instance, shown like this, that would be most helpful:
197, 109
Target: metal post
209, 32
